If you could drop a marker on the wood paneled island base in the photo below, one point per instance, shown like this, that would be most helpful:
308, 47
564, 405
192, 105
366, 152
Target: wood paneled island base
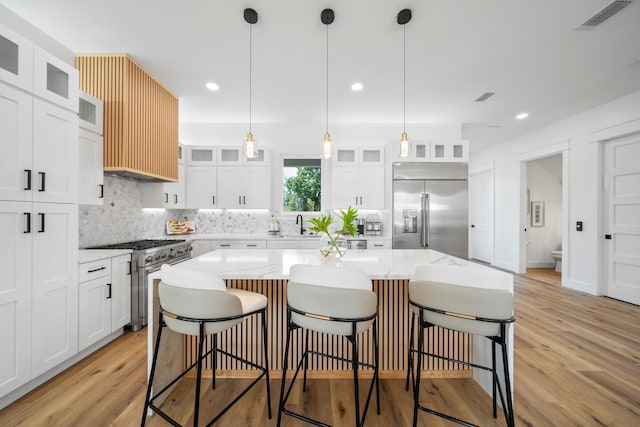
394, 322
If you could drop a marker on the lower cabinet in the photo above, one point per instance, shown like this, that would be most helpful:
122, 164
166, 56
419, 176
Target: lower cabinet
104, 298
203, 246
308, 243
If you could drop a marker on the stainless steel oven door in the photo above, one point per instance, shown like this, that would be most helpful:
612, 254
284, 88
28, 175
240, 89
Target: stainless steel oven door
139, 292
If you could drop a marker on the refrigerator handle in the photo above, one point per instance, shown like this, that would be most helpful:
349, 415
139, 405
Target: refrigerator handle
425, 208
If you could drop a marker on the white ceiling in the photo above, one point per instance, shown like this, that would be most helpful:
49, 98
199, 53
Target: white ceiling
526, 51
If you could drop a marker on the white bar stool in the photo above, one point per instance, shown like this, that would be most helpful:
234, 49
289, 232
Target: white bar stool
334, 301
198, 303
477, 301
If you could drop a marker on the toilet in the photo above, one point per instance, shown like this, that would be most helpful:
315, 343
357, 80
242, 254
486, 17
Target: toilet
557, 257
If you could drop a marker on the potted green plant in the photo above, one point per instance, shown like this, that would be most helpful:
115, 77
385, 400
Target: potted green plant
337, 245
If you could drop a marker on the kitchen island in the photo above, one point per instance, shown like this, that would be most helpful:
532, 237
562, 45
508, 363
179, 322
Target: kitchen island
266, 271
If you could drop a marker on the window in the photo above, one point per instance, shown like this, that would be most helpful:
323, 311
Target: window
301, 185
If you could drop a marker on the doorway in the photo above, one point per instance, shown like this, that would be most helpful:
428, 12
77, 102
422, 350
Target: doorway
544, 217
621, 179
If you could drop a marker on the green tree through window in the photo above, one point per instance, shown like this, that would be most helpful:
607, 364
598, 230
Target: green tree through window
302, 182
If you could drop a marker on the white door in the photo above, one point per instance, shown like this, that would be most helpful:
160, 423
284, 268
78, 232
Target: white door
230, 187
120, 291
16, 173
345, 188
371, 180
622, 190
257, 187
15, 295
94, 312
55, 153
90, 164
55, 285
481, 216
201, 187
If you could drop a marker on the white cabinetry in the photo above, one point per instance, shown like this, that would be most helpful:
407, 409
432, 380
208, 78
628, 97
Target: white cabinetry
201, 188
54, 331
104, 295
55, 80
90, 151
359, 156
201, 155
170, 195
15, 295
200, 247
16, 59
378, 244
38, 211
304, 243
419, 151
234, 156
244, 188
450, 151
360, 187
238, 244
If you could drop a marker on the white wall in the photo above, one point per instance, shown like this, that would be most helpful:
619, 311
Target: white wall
544, 180
584, 156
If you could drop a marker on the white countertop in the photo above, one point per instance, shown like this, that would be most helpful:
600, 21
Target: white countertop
275, 263
89, 255
202, 236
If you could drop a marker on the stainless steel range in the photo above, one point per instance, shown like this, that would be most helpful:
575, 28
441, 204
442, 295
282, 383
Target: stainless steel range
147, 257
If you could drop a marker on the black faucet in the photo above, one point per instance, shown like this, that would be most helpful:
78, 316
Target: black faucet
301, 221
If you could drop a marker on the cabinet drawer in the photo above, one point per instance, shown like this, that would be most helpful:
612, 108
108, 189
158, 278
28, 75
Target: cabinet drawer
379, 244
93, 270
238, 244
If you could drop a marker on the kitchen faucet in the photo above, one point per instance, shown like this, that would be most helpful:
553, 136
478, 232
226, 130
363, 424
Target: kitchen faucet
299, 218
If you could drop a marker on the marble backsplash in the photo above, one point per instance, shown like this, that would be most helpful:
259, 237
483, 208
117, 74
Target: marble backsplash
122, 218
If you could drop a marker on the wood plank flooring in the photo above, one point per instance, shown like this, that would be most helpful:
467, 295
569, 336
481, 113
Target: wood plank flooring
577, 363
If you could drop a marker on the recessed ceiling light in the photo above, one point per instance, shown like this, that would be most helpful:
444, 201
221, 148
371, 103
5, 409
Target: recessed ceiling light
522, 116
357, 87
212, 86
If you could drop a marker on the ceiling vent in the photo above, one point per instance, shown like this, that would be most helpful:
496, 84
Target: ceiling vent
484, 96
605, 13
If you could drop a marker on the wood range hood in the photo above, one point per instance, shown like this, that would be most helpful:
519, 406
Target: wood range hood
140, 117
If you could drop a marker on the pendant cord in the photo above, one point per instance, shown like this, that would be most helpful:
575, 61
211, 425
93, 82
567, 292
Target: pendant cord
404, 78
327, 124
250, 64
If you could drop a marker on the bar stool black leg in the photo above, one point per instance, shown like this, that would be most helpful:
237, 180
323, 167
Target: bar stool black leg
306, 359
354, 362
196, 408
376, 356
494, 377
410, 353
214, 360
284, 369
507, 379
153, 370
266, 358
416, 385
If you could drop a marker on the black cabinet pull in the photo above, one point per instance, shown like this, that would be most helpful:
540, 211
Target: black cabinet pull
41, 215
28, 176
251, 246
213, 198
101, 196
28, 221
224, 245
129, 267
166, 197
42, 181
607, 236
175, 199
109, 296
97, 269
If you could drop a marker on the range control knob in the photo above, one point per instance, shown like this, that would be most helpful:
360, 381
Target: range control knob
148, 259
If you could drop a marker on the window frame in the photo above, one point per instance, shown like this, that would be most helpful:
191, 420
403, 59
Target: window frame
323, 184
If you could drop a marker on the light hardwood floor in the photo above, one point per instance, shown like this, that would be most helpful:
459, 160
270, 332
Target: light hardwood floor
577, 363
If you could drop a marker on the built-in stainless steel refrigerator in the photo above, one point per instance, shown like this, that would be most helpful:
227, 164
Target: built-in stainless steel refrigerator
430, 207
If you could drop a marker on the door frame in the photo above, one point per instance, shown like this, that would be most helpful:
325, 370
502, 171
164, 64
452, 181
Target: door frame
550, 150
484, 168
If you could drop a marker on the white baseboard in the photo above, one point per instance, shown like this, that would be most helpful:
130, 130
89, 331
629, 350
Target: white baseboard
577, 285
16, 394
541, 264
505, 265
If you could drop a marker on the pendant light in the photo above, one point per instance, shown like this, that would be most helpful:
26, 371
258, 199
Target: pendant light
327, 16
404, 16
251, 17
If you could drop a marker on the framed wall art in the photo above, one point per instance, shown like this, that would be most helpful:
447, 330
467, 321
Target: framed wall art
537, 214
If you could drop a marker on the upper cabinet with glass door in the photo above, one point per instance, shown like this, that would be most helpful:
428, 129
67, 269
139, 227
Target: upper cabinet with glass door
233, 155
201, 155
450, 151
54, 80
358, 156
419, 151
16, 59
